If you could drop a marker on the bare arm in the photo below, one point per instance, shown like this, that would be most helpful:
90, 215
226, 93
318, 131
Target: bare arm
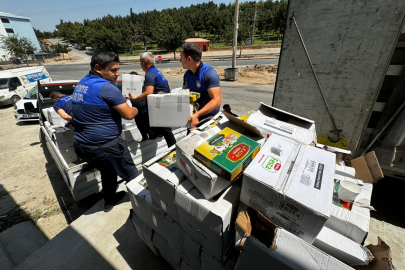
148, 90
64, 115
125, 111
215, 95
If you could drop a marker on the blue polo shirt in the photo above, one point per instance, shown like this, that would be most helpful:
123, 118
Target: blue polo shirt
203, 79
96, 121
155, 78
64, 103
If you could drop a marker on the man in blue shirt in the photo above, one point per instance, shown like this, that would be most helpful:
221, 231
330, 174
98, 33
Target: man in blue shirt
201, 78
155, 83
98, 107
62, 105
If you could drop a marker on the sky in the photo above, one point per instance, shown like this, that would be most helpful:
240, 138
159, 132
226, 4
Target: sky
45, 14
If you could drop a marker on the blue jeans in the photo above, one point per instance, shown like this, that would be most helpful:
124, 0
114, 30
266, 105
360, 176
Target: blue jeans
111, 159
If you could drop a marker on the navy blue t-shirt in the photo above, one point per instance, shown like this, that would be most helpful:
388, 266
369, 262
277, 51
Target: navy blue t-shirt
64, 103
203, 79
95, 119
155, 78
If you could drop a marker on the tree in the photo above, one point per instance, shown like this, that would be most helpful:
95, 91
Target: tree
19, 47
61, 48
169, 34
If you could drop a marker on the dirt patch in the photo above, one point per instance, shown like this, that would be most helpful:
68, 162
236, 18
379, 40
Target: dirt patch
257, 74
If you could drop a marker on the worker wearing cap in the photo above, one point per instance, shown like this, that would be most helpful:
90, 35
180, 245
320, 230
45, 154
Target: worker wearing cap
98, 107
62, 105
201, 78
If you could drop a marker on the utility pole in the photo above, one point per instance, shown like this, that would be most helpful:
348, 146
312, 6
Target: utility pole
235, 34
254, 21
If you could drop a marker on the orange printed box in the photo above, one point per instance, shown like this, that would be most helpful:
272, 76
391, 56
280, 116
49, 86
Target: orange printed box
227, 153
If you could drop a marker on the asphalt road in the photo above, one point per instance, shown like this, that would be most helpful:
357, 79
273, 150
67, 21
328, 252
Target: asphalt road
242, 97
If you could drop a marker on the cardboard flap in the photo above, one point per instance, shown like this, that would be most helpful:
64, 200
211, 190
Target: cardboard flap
382, 257
243, 224
243, 124
278, 113
374, 166
366, 166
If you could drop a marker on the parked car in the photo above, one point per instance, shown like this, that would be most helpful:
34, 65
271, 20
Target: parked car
26, 108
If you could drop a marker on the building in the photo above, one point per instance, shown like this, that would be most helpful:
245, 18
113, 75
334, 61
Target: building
11, 24
203, 43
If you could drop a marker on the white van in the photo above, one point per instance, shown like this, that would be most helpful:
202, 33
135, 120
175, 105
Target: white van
15, 83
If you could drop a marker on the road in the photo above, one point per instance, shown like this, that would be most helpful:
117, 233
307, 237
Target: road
242, 97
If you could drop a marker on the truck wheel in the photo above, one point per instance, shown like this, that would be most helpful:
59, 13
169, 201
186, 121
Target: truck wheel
41, 136
14, 100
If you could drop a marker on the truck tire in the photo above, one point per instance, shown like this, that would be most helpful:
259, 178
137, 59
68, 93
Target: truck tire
14, 100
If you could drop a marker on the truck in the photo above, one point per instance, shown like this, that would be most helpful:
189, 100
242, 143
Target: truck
342, 65
81, 179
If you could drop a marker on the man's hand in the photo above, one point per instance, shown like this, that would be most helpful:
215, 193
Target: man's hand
193, 119
131, 97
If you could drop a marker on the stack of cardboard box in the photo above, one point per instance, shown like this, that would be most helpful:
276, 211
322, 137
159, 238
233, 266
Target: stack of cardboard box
288, 216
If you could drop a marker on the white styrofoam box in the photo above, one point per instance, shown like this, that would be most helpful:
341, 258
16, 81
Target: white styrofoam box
296, 127
144, 232
345, 171
143, 206
63, 137
131, 134
205, 180
353, 223
292, 190
169, 110
286, 252
342, 248
169, 254
126, 126
163, 181
178, 239
69, 154
54, 118
210, 222
132, 84
141, 152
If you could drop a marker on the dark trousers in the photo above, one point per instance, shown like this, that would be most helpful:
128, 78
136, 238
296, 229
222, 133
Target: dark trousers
111, 159
142, 122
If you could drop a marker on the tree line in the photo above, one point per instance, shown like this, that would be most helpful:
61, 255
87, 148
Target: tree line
170, 27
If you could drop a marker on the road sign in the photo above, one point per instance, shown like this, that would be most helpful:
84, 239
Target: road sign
159, 58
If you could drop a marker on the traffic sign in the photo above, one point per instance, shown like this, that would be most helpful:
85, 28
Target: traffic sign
159, 58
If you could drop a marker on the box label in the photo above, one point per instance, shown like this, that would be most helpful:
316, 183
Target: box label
271, 164
319, 174
336, 201
291, 210
169, 161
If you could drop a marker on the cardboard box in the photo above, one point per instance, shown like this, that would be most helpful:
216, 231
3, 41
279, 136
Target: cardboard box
207, 182
143, 206
144, 232
194, 96
367, 168
163, 178
209, 262
63, 137
227, 153
186, 246
217, 119
128, 125
169, 254
292, 190
351, 220
269, 245
210, 222
342, 248
382, 257
68, 154
131, 134
169, 110
132, 84
270, 120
